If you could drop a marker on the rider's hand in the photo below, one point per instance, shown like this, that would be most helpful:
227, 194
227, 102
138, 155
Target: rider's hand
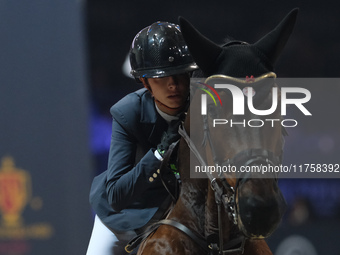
169, 136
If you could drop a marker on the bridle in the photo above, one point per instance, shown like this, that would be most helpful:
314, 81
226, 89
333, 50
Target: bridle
225, 195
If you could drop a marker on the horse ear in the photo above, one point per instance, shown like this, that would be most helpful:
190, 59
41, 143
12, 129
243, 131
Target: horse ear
203, 51
273, 43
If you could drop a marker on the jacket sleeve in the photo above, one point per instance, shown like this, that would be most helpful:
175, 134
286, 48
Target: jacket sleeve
126, 182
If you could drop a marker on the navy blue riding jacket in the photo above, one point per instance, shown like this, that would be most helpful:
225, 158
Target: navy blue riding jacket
128, 194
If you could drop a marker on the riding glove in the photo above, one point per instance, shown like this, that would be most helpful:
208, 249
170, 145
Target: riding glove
169, 136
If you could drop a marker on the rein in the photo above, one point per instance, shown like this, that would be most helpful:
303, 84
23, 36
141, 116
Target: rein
228, 199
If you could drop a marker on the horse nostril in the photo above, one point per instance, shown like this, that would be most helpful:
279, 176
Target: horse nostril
259, 217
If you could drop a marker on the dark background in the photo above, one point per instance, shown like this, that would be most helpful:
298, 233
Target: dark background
111, 25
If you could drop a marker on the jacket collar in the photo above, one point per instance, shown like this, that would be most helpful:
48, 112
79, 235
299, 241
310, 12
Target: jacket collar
148, 110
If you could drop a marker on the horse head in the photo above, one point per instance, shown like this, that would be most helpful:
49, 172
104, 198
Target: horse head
251, 139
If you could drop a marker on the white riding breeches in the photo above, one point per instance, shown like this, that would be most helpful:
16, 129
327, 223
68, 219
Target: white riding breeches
104, 242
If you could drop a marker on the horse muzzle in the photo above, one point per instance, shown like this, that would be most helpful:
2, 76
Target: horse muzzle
258, 217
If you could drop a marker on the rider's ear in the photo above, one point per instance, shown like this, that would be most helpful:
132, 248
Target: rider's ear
146, 84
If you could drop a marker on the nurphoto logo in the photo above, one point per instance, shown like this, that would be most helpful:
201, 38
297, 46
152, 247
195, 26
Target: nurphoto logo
238, 96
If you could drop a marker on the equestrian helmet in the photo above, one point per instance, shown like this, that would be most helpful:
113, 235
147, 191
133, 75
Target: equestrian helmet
160, 50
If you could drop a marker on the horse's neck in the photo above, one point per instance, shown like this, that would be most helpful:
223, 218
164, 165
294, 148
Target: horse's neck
193, 193
193, 207
190, 206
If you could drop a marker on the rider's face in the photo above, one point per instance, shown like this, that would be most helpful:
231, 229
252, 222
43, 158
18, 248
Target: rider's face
170, 92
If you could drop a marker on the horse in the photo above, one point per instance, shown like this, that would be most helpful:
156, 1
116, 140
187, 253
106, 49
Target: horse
229, 212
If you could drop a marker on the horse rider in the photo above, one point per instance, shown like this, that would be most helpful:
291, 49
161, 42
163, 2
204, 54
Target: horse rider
130, 195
